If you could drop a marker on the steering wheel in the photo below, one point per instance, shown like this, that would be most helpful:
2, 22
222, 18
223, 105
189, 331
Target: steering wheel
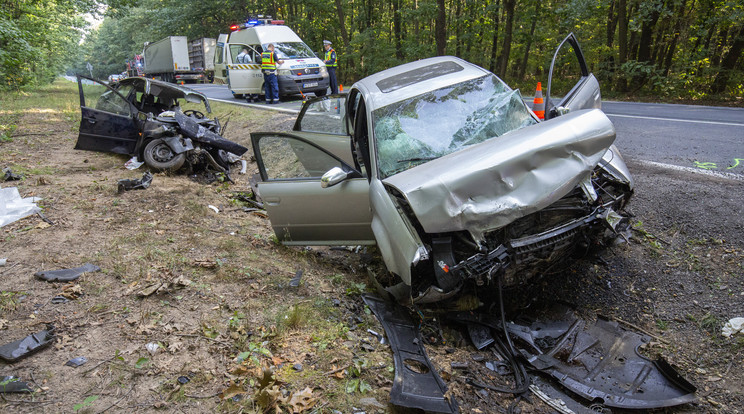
193, 112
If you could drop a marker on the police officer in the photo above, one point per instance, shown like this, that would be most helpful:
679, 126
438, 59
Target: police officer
269, 60
331, 63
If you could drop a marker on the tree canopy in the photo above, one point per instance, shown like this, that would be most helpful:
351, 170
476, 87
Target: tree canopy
685, 48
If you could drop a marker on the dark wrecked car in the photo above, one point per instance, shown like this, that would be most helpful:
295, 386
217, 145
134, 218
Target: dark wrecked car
442, 166
162, 124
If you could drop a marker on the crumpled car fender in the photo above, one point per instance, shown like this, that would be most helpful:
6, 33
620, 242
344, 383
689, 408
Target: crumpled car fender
489, 185
396, 238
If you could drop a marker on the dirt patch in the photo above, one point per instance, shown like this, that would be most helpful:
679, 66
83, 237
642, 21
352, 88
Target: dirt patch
226, 312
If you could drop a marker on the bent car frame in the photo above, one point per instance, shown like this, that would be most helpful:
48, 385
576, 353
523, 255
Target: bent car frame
163, 124
443, 167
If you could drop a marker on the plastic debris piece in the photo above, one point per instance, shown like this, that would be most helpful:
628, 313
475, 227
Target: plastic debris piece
295, 281
59, 299
152, 348
732, 327
3, 261
13, 207
141, 184
66, 275
183, 379
243, 166
10, 384
216, 210
9, 175
16, 350
297, 367
76, 362
133, 163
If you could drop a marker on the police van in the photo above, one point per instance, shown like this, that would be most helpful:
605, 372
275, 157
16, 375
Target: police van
301, 72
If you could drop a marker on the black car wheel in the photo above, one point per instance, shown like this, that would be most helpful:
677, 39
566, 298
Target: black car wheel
160, 156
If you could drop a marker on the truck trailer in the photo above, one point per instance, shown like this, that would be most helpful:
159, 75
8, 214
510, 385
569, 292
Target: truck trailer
168, 60
201, 56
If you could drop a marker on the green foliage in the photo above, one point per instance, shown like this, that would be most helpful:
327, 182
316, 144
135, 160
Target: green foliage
87, 402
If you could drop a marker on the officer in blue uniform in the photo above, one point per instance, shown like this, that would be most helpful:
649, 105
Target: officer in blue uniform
269, 60
331, 63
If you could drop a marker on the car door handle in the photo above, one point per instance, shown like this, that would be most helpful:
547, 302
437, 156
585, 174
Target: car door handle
272, 201
91, 120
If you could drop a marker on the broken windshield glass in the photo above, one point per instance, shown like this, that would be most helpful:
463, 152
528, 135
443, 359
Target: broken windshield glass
437, 123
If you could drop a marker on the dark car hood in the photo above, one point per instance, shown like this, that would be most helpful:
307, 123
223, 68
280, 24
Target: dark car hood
488, 185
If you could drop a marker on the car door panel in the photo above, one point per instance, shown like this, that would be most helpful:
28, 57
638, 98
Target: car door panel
585, 94
300, 210
108, 124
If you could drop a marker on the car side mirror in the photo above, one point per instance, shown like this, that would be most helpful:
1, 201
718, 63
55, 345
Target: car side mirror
333, 176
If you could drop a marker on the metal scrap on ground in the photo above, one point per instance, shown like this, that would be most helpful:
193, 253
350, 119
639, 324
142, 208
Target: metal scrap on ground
66, 275
16, 350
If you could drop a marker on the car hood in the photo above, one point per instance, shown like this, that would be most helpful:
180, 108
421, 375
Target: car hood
488, 185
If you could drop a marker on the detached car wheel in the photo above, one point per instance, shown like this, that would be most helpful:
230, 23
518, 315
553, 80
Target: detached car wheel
160, 156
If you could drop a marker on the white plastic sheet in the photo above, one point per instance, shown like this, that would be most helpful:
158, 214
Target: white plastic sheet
732, 327
13, 207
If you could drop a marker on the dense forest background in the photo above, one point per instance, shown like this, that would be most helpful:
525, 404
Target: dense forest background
689, 49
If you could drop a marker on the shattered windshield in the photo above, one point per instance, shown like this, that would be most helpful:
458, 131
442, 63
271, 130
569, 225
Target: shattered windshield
292, 50
437, 123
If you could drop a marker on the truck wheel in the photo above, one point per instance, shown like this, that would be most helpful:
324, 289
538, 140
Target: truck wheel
160, 156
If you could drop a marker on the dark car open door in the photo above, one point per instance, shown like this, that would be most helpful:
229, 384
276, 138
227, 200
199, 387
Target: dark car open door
109, 122
570, 67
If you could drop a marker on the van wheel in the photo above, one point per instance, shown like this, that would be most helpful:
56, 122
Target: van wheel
238, 96
160, 156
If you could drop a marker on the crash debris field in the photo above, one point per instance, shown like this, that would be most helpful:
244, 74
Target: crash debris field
198, 308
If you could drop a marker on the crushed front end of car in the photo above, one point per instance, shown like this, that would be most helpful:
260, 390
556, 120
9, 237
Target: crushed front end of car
494, 195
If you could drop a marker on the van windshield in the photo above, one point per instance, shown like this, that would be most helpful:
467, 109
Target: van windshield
292, 50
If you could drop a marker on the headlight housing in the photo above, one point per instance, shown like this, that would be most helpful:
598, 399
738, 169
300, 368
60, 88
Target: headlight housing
284, 72
323, 70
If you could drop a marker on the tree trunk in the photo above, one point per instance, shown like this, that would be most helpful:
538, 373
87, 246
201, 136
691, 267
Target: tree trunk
729, 62
525, 57
622, 42
396, 29
342, 24
441, 28
509, 6
495, 39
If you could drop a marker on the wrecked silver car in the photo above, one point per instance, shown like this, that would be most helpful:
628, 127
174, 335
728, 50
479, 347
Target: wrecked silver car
163, 124
443, 166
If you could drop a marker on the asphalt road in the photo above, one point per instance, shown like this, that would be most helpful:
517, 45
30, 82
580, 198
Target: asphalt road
703, 139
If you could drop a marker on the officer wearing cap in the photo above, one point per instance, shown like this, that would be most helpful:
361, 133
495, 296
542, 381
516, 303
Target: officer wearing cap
331, 63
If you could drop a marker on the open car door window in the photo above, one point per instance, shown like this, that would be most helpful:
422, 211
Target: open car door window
108, 121
301, 211
571, 86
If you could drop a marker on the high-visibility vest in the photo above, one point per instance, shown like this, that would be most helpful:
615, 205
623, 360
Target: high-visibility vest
267, 61
328, 57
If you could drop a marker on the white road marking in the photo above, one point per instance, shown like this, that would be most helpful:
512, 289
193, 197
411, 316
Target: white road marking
251, 105
653, 118
710, 173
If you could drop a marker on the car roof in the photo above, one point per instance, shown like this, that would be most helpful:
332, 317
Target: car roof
164, 89
412, 79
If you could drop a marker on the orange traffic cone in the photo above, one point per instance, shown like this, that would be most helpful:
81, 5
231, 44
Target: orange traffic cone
340, 88
538, 105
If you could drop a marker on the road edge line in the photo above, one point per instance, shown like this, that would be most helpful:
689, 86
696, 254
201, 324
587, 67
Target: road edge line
717, 174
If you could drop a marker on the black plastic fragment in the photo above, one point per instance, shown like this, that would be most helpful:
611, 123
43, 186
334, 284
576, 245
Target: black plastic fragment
9, 175
141, 184
295, 281
183, 379
416, 384
480, 335
16, 350
10, 384
76, 362
66, 275
59, 299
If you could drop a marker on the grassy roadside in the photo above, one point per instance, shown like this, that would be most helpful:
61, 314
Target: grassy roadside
223, 314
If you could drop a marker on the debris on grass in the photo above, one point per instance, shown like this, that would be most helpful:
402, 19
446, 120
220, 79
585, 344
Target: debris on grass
141, 184
732, 327
76, 362
66, 275
9, 384
13, 207
16, 350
